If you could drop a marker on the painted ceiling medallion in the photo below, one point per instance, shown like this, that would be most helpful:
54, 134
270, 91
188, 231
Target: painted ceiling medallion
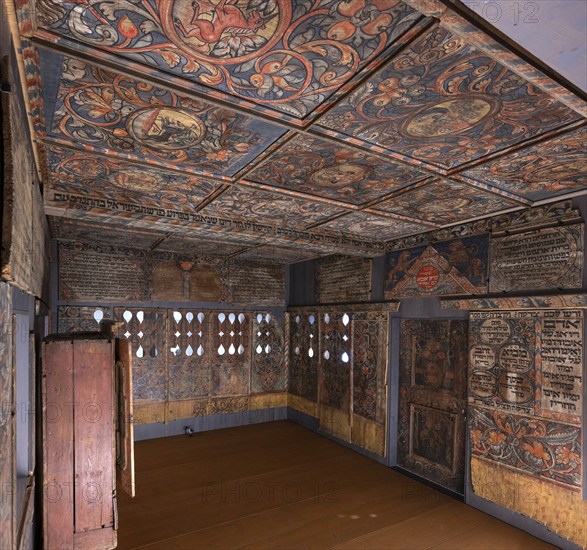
136, 180
448, 118
343, 175
165, 128
445, 205
227, 32
290, 56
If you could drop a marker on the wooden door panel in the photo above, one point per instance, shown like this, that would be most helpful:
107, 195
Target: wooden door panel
58, 444
431, 435
125, 457
93, 435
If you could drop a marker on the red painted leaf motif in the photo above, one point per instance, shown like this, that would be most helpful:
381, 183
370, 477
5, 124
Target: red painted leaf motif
127, 27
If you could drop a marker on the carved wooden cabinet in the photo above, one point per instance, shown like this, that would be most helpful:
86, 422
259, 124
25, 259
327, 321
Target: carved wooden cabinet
80, 419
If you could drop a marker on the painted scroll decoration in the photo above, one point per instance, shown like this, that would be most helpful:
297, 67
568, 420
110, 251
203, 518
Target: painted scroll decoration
270, 52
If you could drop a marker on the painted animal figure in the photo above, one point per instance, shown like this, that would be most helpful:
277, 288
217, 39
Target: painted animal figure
227, 18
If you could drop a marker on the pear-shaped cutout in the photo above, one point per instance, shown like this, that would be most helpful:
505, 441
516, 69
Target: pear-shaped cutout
241, 349
345, 357
232, 318
200, 350
297, 350
201, 317
141, 316
153, 351
267, 348
312, 319
98, 315
311, 352
345, 319
140, 352
297, 319
189, 351
231, 349
189, 316
241, 318
326, 318
221, 317
268, 318
177, 316
259, 349
127, 316
221, 350
327, 355
259, 317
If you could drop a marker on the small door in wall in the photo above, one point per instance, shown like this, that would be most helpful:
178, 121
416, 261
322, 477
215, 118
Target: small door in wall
432, 400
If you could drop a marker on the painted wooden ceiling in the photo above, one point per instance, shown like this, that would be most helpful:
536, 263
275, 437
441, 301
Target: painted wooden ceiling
287, 130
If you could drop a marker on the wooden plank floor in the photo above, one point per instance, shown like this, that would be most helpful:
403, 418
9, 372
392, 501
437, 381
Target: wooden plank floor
280, 486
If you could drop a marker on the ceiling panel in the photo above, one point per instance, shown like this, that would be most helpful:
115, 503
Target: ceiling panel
545, 170
445, 202
284, 56
108, 111
444, 102
78, 171
261, 206
102, 233
288, 130
368, 226
325, 169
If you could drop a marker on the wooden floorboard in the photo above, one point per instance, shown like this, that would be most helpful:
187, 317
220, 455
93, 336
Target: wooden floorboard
278, 485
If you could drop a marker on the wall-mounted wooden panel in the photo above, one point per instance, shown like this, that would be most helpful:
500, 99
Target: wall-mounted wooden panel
338, 370
92, 272
528, 362
445, 268
304, 356
343, 279
544, 259
190, 279
549, 450
81, 318
25, 231
269, 371
104, 273
526, 392
563, 511
370, 339
259, 284
145, 328
7, 471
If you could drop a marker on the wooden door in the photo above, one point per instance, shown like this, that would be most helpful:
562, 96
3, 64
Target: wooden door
78, 443
432, 400
125, 453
